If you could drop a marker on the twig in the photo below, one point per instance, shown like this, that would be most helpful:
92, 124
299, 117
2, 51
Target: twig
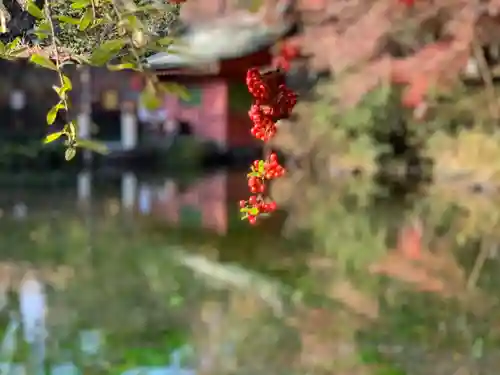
487, 78
92, 3
139, 65
60, 74
478, 266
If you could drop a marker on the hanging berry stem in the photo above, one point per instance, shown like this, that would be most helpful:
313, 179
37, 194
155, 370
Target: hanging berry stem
272, 101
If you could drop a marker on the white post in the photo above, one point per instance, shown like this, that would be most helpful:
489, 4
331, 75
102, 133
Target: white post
84, 188
145, 199
129, 188
17, 100
33, 307
84, 125
129, 130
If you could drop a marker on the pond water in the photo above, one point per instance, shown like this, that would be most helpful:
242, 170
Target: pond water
116, 273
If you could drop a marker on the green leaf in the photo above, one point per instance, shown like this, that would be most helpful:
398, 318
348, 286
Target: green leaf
44, 26
93, 146
166, 41
18, 51
34, 10
67, 85
86, 20
254, 211
52, 137
68, 20
143, 9
41, 35
12, 45
98, 22
113, 45
43, 61
123, 66
80, 4
150, 99
107, 51
261, 167
52, 114
70, 153
176, 89
58, 90
70, 128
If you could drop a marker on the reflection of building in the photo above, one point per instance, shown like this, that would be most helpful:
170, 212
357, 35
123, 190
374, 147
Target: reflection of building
207, 203
203, 204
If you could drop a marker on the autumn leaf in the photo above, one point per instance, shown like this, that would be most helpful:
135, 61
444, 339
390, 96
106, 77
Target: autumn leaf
356, 85
361, 41
436, 65
410, 240
400, 268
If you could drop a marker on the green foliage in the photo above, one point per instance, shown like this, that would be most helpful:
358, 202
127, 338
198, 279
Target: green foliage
99, 33
85, 24
342, 139
474, 154
12, 50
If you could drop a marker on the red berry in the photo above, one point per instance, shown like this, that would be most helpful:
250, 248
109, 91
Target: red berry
252, 181
408, 3
289, 51
272, 101
281, 62
243, 204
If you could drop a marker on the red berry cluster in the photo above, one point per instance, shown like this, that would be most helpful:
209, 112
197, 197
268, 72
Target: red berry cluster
287, 52
272, 101
261, 172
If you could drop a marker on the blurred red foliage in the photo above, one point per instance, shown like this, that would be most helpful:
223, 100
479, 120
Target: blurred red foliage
366, 37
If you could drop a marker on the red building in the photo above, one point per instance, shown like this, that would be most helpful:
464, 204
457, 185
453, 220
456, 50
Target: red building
215, 111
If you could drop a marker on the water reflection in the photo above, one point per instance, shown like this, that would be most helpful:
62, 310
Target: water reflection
204, 203
124, 274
